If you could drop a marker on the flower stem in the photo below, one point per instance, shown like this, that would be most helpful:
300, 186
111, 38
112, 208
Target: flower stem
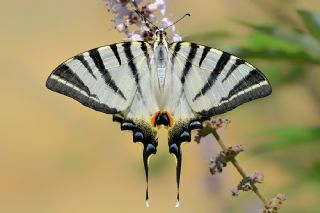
238, 167
135, 5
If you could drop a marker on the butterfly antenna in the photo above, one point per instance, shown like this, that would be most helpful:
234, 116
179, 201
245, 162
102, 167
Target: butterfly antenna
187, 14
145, 19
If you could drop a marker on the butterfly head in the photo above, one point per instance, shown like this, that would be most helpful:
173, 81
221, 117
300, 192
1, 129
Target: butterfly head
160, 35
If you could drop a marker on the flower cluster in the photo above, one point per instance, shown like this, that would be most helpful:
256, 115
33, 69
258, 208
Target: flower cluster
135, 18
218, 163
248, 183
274, 204
210, 126
218, 123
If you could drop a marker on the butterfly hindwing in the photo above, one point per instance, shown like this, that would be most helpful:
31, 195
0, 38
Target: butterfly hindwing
106, 78
214, 81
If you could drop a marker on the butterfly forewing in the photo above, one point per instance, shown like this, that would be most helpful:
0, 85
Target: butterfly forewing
106, 78
215, 81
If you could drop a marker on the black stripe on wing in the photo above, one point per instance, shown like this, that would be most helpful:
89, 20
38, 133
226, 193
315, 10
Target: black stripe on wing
96, 57
176, 49
205, 51
253, 78
65, 73
144, 48
132, 65
233, 68
253, 86
85, 63
114, 49
223, 60
64, 81
188, 64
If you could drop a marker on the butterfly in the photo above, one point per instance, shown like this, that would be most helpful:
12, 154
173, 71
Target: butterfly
147, 85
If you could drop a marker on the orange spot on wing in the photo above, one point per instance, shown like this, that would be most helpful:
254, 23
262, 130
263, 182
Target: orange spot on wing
171, 119
154, 117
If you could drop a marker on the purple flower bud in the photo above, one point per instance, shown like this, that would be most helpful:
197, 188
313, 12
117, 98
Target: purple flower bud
136, 1
274, 204
281, 197
121, 27
133, 17
161, 4
219, 122
166, 23
257, 177
118, 6
234, 192
135, 37
152, 7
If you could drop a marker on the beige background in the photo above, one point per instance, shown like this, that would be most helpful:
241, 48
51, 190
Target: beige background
57, 156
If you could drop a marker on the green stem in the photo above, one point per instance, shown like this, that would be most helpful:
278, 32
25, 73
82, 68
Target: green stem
238, 167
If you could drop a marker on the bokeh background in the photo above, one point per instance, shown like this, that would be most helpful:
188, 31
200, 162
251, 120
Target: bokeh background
57, 156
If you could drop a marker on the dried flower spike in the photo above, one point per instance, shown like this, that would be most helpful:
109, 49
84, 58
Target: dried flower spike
210, 126
248, 183
217, 123
257, 177
233, 151
274, 204
245, 184
234, 192
218, 163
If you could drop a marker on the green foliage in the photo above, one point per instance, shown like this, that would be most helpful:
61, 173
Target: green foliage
290, 136
273, 43
316, 170
312, 22
298, 51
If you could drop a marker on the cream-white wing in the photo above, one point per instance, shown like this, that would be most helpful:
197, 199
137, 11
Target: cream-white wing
214, 81
105, 79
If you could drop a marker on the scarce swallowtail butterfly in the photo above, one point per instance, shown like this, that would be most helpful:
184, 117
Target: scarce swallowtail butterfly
146, 85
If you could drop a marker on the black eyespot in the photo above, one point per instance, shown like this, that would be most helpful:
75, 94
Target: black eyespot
174, 148
151, 149
138, 137
127, 126
195, 125
185, 136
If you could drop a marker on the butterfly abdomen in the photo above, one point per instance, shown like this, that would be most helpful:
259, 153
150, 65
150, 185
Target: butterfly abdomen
161, 58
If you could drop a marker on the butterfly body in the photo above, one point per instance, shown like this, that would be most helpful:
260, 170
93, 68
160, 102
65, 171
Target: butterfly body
144, 86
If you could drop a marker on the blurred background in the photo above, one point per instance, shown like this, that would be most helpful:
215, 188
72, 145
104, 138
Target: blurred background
58, 156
